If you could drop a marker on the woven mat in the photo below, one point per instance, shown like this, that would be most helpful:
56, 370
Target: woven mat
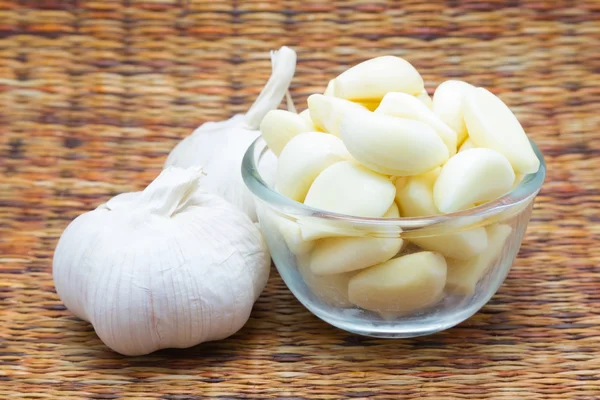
94, 94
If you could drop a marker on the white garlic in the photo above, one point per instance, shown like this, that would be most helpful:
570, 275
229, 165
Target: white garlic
391, 145
493, 125
425, 99
220, 146
330, 289
448, 102
372, 79
472, 177
464, 275
303, 159
279, 126
326, 112
305, 115
406, 106
292, 235
170, 266
414, 194
459, 245
337, 255
349, 188
400, 285
467, 144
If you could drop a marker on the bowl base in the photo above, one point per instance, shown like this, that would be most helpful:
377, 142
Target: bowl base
408, 328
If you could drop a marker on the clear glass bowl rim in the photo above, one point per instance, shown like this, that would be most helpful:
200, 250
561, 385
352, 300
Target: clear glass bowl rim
522, 194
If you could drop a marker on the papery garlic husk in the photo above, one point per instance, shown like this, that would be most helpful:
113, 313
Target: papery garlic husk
171, 266
220, 146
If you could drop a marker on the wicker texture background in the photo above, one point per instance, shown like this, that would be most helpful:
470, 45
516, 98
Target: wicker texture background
93, 95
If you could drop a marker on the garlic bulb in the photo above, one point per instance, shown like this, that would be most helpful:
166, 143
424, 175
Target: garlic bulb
220, 146
171, 266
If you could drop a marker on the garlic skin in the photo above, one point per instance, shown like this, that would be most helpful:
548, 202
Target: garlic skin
220, 146
170, 266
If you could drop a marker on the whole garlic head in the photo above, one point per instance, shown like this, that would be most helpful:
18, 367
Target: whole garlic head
171, 266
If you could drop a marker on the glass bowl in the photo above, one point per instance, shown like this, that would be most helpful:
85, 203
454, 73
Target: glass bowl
443, 268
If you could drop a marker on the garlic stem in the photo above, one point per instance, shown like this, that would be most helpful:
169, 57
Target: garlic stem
283, 65
170, 190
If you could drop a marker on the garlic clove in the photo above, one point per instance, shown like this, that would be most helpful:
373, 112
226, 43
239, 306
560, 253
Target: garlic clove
279, 126
459, 245
472, 176
391, 145
318, 228
303, 159
349, 188
326, 112
425, 99
464, 275
331, 289
414, 194
448, 102
406, 106
267, 167
290, 231
401, 285
305, 115
371, 199
493, 125
518, 179
372, 79
467, 144
339, 255
329, 91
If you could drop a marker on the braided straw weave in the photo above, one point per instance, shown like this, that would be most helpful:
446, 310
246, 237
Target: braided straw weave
93, 95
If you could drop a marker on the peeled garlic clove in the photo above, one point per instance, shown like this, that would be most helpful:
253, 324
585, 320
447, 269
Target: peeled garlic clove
292, 235
267, 167
464, 275
319, 228
448, 101
339, 255
472, 176
326, 112
370, 105
303, 159
372, 79
305, 115
467, 144
331, 289
406, 106
329, 89
391, 145
491, 124
425, 99
401, 285
518, 179
279, 126
460, 245
349, 188
414, 195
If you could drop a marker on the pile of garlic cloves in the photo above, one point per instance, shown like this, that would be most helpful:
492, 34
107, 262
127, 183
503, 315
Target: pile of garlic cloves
181, 262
